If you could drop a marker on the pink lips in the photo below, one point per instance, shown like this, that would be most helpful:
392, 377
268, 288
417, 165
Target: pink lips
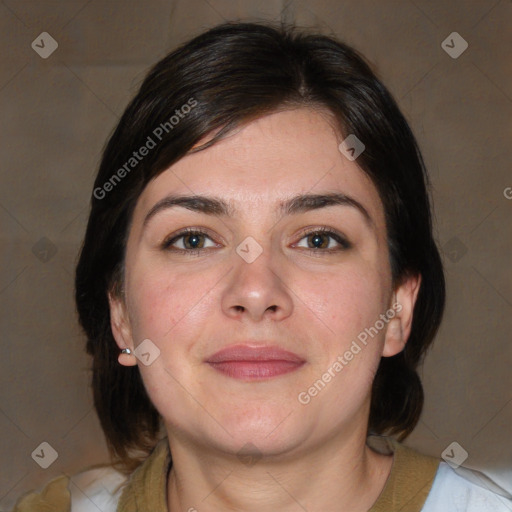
245, 362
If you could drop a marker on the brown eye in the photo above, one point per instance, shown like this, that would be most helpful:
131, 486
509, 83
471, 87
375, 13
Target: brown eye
318, 240
193, 241
324, 240
190, 240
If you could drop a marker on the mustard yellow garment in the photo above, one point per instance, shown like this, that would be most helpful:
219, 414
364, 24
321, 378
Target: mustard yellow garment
406, 488
55, 497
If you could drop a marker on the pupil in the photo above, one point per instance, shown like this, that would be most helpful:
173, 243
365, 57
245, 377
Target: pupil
317, 238
195, 241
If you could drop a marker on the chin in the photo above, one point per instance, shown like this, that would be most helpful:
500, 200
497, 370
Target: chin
272, 434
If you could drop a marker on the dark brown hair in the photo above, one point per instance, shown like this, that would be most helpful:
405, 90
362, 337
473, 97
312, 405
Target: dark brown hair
230, 75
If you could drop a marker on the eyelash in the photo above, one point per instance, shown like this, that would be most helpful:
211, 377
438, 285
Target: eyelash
338, 237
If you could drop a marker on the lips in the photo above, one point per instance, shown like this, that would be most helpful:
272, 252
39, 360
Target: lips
246, 362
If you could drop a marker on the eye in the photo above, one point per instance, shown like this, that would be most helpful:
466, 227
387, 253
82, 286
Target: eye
317, 240
189, 240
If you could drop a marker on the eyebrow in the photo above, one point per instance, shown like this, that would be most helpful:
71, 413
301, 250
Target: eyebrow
217, 207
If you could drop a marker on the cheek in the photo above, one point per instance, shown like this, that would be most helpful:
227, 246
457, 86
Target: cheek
170, 304
347, 300
350, 302
159, 300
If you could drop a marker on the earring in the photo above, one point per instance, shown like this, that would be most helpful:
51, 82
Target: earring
126, 357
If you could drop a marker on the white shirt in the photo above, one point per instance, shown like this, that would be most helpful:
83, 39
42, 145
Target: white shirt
465, 490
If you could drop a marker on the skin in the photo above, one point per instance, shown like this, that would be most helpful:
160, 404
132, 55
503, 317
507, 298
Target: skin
314, 304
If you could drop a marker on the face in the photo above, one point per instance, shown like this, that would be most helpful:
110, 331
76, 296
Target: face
307, 279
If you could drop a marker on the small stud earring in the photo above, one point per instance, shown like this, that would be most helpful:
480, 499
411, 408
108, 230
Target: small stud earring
126, 351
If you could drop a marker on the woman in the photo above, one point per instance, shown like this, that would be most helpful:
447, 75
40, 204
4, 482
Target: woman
258, 284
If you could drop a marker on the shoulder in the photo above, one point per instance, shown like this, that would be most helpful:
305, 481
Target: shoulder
465, 490
54, 497
96, 489
88, 491
422, 483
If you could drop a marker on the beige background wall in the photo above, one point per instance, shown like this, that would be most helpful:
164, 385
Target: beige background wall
57, 113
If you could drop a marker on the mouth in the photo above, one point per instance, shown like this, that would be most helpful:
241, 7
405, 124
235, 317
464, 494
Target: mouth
254, 363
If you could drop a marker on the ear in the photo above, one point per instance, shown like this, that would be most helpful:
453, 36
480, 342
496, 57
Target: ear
121, 329
399, 327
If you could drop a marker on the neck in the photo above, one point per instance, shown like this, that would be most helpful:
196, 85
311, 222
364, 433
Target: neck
341, 474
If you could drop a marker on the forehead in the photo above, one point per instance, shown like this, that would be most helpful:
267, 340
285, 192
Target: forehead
265, 162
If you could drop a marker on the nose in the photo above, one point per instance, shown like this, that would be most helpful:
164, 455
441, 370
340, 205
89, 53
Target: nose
258, 289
